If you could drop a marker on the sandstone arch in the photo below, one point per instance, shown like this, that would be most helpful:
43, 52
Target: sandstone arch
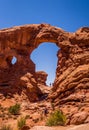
72, 73
21, 41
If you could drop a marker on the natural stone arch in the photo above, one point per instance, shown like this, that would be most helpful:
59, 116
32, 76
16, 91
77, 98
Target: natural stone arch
21, 41
30, 36
72, 73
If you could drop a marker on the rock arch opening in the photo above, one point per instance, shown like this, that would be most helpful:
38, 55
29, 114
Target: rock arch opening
14, 60
45, 58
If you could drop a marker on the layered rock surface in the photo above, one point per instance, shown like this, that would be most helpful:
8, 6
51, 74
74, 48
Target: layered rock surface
70, 90
71, 87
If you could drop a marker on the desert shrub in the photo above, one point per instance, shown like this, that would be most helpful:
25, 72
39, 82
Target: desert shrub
21, 122
14, 109
27, 116
56, 118
6, 127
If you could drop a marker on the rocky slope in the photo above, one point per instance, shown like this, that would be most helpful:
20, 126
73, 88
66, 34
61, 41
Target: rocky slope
70, 91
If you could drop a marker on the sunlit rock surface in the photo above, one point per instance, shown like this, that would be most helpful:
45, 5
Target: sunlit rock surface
70, 91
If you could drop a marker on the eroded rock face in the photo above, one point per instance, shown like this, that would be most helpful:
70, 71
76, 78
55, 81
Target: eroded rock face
71, 87
41, 77
30, 87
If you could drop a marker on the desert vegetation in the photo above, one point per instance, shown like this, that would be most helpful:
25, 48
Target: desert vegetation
56, 118
15, 110
21, 122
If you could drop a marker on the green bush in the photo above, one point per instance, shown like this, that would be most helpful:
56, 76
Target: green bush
27, 116
6, 127
14, 109
56, 118
21, 122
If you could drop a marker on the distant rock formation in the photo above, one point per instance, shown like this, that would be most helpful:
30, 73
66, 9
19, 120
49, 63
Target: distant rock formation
70, 90
41, 77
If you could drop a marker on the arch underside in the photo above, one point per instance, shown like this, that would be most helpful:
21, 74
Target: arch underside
72, 72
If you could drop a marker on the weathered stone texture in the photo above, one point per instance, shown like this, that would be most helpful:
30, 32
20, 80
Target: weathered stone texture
70, 91
41, 77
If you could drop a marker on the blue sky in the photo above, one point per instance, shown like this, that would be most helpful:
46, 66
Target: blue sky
67, 14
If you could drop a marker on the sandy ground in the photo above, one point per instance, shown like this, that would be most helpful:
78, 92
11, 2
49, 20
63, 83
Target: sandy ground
78, 127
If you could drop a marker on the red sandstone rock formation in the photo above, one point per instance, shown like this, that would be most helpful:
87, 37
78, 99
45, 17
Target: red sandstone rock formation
30, 87
71, 87
41, 77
